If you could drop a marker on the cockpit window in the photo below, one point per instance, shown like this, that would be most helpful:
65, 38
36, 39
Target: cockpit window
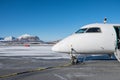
81, 30
93, 30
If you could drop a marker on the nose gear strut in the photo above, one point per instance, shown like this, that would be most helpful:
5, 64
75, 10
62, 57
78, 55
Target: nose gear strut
74, 59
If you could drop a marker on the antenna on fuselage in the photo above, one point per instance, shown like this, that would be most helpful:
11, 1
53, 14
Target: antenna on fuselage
105, 20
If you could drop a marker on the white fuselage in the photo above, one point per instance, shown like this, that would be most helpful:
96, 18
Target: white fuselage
103, 41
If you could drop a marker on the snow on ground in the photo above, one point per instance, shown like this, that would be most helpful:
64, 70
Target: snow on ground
42, 52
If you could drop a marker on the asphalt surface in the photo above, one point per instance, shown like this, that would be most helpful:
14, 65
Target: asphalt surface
90, 70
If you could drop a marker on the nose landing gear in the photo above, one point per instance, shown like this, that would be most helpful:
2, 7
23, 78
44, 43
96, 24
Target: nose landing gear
74, 58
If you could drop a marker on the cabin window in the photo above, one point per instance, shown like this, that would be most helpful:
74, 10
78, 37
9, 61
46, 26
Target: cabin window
93, 30
81, 30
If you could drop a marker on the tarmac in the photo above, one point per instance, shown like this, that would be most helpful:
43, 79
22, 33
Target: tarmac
90, 70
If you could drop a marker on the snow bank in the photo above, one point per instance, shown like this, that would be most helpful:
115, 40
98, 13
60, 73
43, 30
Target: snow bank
42, 52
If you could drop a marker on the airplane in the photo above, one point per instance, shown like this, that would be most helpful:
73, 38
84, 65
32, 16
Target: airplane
96, 38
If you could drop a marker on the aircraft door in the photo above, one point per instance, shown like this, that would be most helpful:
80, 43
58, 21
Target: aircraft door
117, 50
117, 29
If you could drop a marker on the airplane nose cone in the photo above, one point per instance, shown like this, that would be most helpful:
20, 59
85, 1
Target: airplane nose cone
55, 48
58, 47
63, 46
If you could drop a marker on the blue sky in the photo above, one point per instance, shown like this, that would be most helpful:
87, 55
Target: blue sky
54, 19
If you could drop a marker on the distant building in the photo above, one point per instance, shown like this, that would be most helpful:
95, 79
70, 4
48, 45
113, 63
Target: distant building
53, 42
